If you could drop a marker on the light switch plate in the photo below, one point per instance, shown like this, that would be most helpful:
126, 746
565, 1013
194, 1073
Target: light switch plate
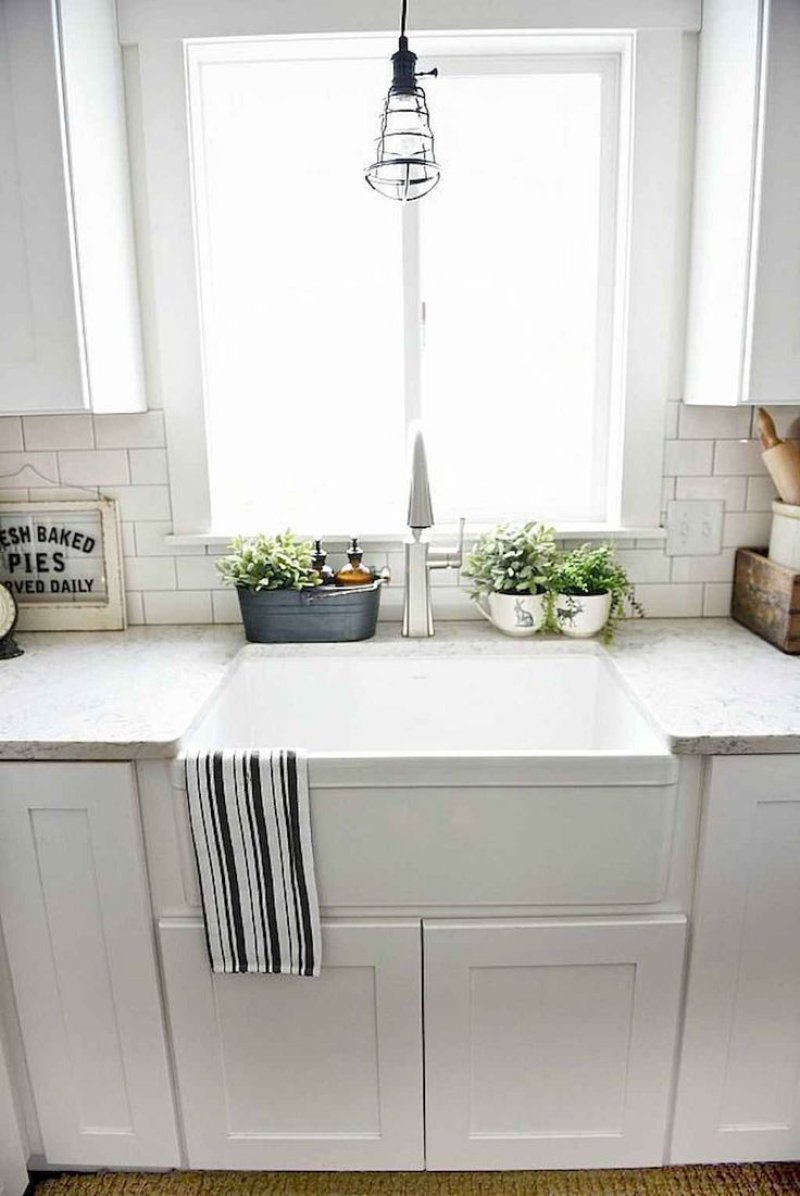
694, 528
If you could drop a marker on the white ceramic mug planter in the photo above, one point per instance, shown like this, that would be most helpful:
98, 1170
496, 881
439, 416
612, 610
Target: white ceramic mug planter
519, 615
581, 615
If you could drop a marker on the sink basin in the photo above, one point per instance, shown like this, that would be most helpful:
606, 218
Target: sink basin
440, 774
566, 705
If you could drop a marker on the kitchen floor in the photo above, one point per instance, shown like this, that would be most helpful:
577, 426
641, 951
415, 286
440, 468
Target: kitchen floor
752, 1179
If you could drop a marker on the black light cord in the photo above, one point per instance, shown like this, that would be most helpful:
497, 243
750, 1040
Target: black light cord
403, 12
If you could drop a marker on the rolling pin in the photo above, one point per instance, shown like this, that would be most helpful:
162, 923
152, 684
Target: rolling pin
781, 457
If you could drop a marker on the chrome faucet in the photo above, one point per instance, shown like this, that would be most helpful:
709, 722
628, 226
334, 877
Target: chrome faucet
419, 555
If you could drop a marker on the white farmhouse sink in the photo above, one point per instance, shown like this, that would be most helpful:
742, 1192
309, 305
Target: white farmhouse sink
564, 705
523, 775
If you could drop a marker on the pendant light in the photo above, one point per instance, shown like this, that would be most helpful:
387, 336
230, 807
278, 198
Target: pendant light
405, 166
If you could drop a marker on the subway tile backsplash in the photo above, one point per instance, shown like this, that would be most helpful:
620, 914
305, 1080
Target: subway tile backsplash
709, 454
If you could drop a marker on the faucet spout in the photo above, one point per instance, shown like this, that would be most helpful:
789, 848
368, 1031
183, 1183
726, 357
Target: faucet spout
420, 558
420, 508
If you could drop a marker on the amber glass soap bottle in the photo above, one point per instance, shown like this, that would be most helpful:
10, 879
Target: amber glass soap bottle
355, 573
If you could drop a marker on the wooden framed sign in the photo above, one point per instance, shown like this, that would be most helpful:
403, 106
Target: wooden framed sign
63, 564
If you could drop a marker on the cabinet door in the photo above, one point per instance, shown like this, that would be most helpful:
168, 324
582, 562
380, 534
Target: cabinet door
284, 1072
774, 355
13, 1172
550, 1043
744, 292
76, 920
738, 1095
41, 368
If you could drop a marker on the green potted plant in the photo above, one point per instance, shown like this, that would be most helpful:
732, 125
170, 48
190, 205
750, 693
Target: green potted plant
509, 567
282, 598
589, 589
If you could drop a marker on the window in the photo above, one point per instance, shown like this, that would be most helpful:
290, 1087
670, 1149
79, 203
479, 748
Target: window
300, 283
525, 310
505, 353
517, 250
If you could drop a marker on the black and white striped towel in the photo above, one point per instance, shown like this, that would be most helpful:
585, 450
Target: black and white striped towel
250, 822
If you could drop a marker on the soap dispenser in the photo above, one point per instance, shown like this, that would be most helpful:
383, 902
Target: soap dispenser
355, 573
318, 563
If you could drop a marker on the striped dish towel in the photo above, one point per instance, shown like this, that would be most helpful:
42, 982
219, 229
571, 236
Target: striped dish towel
249, 814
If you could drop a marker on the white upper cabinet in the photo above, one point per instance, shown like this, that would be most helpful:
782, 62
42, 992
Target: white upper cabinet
69, 321
743, 336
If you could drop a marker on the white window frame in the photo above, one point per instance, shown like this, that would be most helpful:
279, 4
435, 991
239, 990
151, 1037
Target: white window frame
648, 34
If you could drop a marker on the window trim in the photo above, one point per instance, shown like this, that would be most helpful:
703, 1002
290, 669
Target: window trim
157, 81
142, 20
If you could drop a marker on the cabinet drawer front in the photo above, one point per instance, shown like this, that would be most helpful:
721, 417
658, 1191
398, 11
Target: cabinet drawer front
286, 1073
76, 921
550, 1043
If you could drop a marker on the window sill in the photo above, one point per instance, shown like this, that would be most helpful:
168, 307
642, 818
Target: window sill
386, 541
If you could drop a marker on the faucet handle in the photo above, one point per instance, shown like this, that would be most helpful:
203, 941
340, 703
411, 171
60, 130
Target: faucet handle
449, 558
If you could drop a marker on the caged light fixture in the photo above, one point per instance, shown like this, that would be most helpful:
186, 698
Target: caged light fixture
405, 166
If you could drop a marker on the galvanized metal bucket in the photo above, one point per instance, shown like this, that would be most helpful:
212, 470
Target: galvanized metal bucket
324, 615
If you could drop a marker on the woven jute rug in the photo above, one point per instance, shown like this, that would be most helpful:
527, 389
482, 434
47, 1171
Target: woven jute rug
752, 1179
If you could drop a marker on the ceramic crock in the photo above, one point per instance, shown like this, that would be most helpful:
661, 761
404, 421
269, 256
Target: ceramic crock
581, 615
519, 615
784, 540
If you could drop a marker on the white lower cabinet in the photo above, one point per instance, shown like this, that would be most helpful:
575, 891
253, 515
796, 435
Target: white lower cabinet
77, 926
13, 1172
550, 1043
284, 1073
738, 1096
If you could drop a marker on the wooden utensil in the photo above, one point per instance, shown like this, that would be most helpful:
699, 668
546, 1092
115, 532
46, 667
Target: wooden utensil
781, 457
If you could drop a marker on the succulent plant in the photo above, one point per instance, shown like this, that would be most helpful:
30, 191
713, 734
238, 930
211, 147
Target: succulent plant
281, 562
511, 560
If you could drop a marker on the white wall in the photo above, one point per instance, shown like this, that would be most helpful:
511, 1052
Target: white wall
709, 452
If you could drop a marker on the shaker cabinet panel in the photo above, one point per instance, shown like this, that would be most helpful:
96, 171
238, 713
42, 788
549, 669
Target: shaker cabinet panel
738, 1095
13, 1170
286, 1072
744, 294
70, 335
550, 1043
774, 365
40, 335
76, 920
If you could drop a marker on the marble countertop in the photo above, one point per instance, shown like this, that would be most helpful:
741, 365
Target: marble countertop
109, 695
711, 686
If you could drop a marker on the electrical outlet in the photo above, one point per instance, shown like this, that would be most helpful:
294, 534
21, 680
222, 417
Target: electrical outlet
694, 528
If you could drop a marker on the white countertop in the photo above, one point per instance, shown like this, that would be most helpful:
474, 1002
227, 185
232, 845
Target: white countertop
710, 685
109, 695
